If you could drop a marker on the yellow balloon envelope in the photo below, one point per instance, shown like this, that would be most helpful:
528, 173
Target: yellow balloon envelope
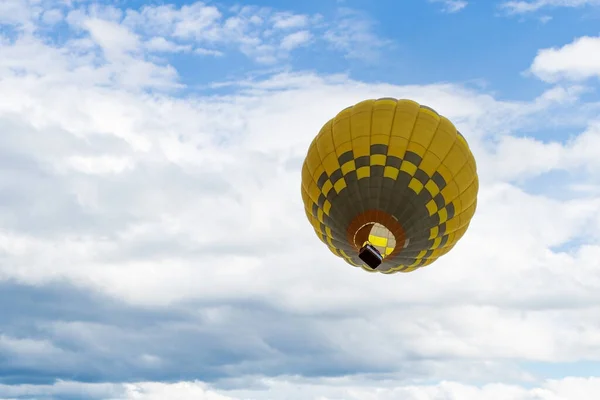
393, 174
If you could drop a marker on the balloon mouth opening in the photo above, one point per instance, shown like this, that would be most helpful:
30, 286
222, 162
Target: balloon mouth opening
377, 235
380, 229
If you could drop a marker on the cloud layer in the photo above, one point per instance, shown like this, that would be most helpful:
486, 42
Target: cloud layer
153, 233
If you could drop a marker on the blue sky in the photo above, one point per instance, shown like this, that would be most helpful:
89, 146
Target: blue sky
422, 42
149, 151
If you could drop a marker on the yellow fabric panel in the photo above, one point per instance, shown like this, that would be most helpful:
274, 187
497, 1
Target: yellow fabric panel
340, 185
304, 194
460, 233
417, 261
378, 240
391, 172
327, 187
349, 166
363, 172
319, 236
470, 157
443, 215
433, 232
432, 188
393, 270
320, 214
343, 148
306, 176
468, 196
314, 192
330, 164
308, 207
319, 170
378, 159
408, 167
435, 253
426, 262
464, 178
463, 141
315, 223
308, 214
467, 214
404, 118
455, 159
446, 249
362, 107
425, 127
450, 192
344, 114
360, 119
424, 110
397, 146
452, 224
385, 104
417, 148
317, 173
361, 146
380, 139
325, 144
444, 139
312, 159
326, 207
332, 248
445, 173
467, 155
430, 163
341, 132
431, 207
381, 124
415, 185
458, 205
451, 241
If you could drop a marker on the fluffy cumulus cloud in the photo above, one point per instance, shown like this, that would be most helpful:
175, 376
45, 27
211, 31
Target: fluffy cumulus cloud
153, 242
575, 61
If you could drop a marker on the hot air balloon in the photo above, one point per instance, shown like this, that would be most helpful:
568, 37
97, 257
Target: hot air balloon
389, 185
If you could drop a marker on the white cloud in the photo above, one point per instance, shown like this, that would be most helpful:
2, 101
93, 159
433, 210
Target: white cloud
452, 6
19, 13
99, 164
296, 39
262, 34
161, 44
197, 20
520, 7
576, 61
52, 16
318, 389
353, 33
289, 20
159, 201
114, 39
208, 52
